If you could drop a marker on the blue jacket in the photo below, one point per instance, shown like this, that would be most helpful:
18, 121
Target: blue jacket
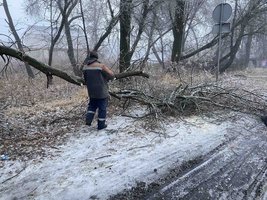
96, 81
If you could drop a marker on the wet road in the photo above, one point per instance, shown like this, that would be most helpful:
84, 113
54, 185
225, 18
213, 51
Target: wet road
236, 171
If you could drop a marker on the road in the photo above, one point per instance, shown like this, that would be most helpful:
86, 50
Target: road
236, 171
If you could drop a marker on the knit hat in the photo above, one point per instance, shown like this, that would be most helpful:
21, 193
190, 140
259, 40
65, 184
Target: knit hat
93, 54
91, 58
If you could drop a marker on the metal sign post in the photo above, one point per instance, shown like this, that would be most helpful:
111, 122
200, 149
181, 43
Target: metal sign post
220, 44
220, 15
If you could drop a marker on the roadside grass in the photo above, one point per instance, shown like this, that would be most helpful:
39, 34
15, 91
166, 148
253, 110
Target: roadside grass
34, 117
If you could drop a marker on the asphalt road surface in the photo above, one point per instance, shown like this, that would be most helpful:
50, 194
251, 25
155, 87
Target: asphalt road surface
236, 171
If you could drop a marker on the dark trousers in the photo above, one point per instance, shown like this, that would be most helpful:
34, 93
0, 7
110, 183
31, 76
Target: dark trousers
93, 105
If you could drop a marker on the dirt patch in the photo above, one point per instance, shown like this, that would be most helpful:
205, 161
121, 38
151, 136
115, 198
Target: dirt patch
143, 190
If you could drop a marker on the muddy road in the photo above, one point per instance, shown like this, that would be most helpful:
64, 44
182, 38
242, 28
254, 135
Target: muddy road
235, 170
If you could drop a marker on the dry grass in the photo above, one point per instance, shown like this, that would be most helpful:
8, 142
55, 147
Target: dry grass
33, 117
199, 93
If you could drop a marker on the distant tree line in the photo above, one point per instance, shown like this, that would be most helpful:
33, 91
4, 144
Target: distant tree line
143, 30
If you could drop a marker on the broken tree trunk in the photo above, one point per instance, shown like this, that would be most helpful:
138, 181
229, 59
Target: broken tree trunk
56, 72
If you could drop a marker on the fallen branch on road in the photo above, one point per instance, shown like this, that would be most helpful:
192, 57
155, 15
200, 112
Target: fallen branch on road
185, 100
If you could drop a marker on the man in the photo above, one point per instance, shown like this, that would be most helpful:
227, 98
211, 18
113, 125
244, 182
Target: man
96, 77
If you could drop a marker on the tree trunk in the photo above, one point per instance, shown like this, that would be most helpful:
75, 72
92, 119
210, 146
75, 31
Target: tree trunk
178, 30
46, 69
264, 47
84, 28
54, 37
125, 30
248, 47
56, 72
154, 50
16, 36
70, 51
114, 20
66, 12
234, 50
111, 25
141, 26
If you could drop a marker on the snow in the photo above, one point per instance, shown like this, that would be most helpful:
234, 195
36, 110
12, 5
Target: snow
97, 164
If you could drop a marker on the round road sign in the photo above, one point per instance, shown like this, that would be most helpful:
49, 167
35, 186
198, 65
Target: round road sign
222, 13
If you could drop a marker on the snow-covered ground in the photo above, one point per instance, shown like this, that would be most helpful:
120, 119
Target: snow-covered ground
96, 164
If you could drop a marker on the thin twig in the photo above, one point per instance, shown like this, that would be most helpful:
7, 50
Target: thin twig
102, 157
14, 175
149, 145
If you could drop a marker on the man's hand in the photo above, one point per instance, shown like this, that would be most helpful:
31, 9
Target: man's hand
107, 70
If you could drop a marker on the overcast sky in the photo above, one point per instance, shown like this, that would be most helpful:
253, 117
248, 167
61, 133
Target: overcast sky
16, 8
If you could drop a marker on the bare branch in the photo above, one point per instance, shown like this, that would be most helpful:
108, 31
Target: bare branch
53, 71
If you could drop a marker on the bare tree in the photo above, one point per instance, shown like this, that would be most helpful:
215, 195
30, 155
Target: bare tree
178, 23
84, 27
127, 28
125, 31
66, 10
147, 26
56, 27
114, 19
55, 33
253, 10
16, 36
56, 72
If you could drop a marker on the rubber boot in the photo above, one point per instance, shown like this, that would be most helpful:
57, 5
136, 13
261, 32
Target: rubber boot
89, 118
101, 124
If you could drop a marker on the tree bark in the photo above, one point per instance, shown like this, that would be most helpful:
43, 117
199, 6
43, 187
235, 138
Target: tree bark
141, 26
65, 12
234, 50
178, 30
111, 25
125, 30
70, 51
84, 28
132, 73
46, 69
248, 47
54, 37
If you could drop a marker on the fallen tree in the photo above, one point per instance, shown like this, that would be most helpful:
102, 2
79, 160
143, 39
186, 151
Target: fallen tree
18, 130
50, 71
183, 99
199, 99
